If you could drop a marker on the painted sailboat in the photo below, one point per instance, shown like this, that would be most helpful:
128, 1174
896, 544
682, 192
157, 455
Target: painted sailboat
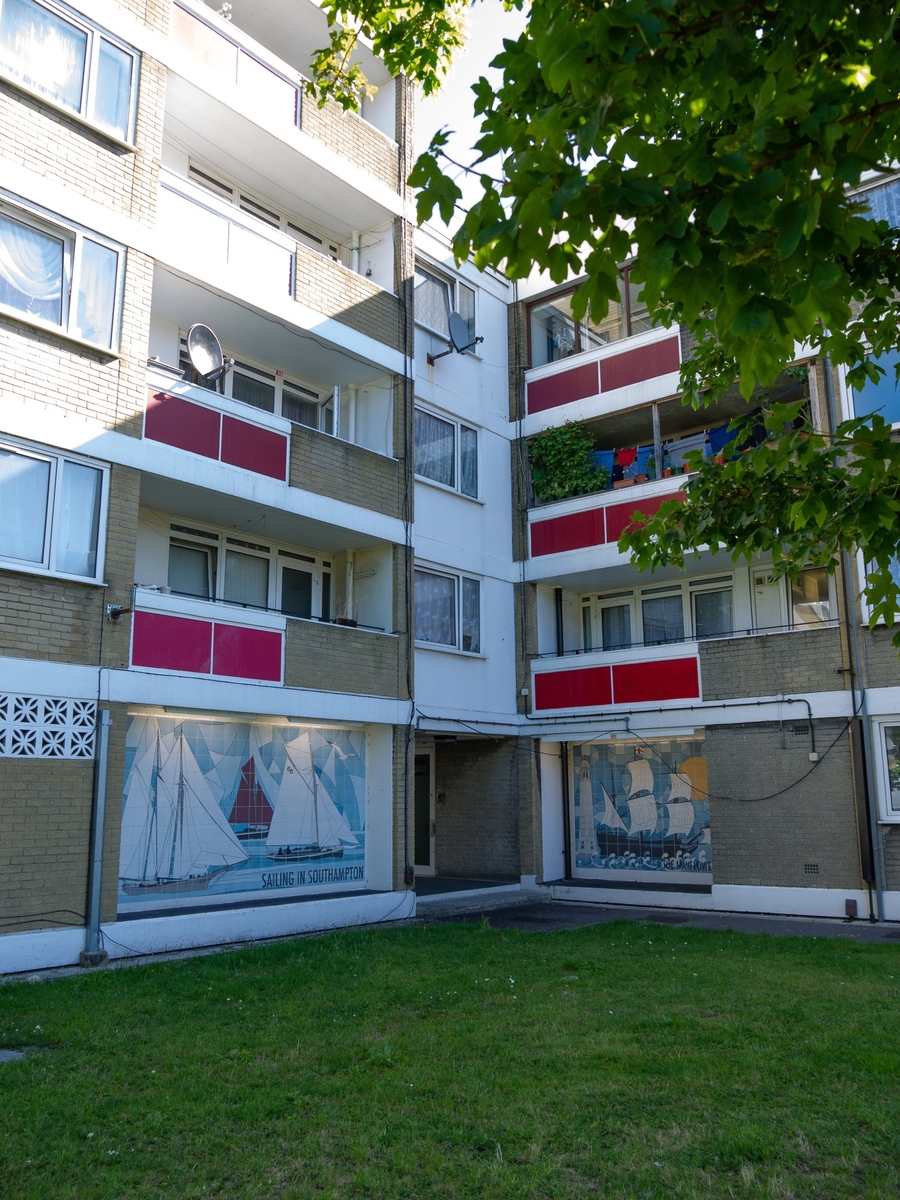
251, 814
307, 824
174, 835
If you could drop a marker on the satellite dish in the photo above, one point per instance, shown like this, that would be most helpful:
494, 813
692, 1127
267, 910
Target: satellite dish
459, 333
205, 352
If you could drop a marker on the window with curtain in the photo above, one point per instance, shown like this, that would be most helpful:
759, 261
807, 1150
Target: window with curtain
246, 579
191, 570
713, 613
435, 608
810, 598
50, 512
71, 62
432, 299
251, 390
41, 266
663, 619
471, 615
446, 452
615, 626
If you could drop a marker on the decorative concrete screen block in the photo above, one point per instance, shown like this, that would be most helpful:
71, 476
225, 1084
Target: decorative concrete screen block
620, 683
204, 431
254, 449
179, 423
247, 653
172, 643
46, 727
563, 388
634, 366
588, 688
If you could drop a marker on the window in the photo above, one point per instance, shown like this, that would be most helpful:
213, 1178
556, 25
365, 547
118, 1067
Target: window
210, 565
448, 610
436, 296
269, 391
51, 511
713, 612
657, 615
58, 276
810, 598
554, 332
300, 230
446, 452
662, 617
890, 768
49, 50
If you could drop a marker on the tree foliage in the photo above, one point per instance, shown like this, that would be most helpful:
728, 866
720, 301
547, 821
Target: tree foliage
719, 143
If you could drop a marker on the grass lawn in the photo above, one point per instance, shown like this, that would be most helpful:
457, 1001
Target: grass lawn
622, 1060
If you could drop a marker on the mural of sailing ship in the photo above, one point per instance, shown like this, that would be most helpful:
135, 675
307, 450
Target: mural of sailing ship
666, 831
251, 814
175, 838
307, 824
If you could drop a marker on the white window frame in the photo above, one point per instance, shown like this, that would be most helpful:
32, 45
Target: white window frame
457, 577
457, 423
184, 530
51, 529
453, 282
886, 815
94, 33
72, 236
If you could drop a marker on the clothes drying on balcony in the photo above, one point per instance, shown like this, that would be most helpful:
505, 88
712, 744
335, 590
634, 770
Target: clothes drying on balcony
678, 449
720, 437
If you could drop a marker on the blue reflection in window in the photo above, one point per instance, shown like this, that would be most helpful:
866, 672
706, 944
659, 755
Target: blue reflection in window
882, 397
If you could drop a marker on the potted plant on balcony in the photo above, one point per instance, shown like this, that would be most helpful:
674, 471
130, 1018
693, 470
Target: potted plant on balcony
561, 463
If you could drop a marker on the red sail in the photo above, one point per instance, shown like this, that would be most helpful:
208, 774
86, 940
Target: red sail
251, 807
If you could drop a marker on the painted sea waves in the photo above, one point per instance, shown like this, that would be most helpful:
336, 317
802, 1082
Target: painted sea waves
641, 808
213, 809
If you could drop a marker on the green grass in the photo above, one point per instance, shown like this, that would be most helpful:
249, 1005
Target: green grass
621, 1060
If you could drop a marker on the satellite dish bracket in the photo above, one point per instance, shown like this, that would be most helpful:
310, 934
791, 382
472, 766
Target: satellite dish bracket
459, 331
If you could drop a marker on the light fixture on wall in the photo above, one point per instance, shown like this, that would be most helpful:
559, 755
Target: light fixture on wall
459, 339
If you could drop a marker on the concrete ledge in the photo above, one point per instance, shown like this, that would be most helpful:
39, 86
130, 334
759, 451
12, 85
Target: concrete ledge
40, 948
780, 901
446, 904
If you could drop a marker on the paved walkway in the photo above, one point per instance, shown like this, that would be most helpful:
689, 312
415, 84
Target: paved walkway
549, 916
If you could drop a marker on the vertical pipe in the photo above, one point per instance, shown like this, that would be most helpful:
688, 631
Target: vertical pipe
354, 250
351, 600
567, 828
351, 415
98, 826
336, 416
560, 635
657, 443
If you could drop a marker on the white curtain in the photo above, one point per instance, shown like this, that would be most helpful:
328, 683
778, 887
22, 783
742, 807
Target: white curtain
432, 301
468, 461
113, 91
434, 448
24, 484
247, 579
31, 270
43, 50
435, 604
96, 292
471, 615
79, 520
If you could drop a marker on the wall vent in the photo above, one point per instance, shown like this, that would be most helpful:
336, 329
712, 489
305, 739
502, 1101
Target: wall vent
810, 868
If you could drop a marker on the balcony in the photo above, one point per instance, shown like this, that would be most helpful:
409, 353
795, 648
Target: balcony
599, 680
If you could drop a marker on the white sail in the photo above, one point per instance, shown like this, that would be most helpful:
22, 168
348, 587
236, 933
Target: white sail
680, 787
681, 819
202, 839
642, 814
610, 818
333, 827
139, 825
294, 822
641, 775
587, 830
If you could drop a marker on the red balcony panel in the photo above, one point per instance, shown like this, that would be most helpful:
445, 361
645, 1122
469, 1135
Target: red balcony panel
674, 679
571, 532
178, 422
171, 643
587, 688
618, 516
254, 449
247, 653
634, 366
575, 384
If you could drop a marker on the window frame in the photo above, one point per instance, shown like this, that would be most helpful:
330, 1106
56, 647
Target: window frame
57, 460
457, 577
73, 237
95, 34
183, 531
454, 283
458, 424
886, 814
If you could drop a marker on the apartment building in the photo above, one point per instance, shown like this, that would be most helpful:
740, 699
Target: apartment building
205, 577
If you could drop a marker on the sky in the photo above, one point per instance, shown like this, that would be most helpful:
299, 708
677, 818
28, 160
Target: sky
453, 105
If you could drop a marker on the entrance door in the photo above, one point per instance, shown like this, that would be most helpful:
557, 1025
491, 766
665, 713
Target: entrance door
423, 816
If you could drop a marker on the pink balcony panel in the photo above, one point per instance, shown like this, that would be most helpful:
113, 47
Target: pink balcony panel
619, 516
171, 643
634, 366
575, 384
253, 448
587, 688
674, 679
572, 532
178, 422
247, 653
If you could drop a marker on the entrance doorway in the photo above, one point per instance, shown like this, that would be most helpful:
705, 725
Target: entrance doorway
423, 815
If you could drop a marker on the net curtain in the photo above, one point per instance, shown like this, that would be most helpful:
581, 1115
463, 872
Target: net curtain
435, 608
30, 264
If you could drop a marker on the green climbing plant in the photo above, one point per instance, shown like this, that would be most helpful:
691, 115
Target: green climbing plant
561, 463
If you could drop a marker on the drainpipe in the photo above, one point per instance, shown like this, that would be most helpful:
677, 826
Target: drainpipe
560, 636
657, 443
351, 555
354, 250
92, 955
